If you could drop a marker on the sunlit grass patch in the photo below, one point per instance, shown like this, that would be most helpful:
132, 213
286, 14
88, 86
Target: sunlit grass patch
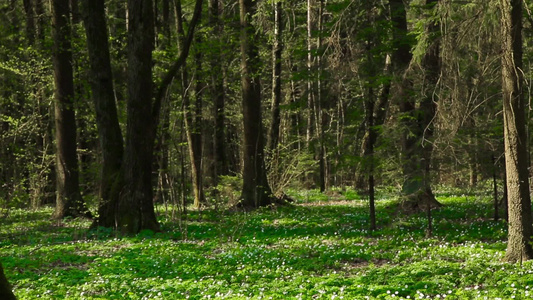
313, 250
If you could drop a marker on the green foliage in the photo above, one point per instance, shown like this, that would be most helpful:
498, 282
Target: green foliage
319, 251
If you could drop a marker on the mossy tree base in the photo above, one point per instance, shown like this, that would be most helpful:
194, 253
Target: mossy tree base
418, 202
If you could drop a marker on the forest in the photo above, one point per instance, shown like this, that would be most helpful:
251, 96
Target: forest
266, 149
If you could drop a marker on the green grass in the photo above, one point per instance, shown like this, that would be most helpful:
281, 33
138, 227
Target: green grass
315, 250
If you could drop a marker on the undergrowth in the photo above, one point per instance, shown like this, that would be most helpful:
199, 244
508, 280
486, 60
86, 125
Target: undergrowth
319, 248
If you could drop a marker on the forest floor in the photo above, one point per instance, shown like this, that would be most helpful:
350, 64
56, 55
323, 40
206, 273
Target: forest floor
318, 248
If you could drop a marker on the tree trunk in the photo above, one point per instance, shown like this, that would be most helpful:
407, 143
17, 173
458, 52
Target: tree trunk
136, 207
277, 48
195, 135
110, 135
217, 90
30, 21
310, 100
256, 191
69, 201
418, 123
320, 104
5, 288
515, 135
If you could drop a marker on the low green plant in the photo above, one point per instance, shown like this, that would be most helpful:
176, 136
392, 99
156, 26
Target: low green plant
318, 250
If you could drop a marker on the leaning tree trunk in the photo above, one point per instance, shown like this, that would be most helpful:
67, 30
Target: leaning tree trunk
515, 135
69, 201
256, 191
136, 208
5, 288
110, 136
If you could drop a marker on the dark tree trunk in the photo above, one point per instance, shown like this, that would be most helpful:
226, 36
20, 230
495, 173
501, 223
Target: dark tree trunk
39, 12
495, 189
69, 201
217, 90
273, 137
30, 21
515, 135
136, 206
368, 154
310, 91
256, 191
5, 288
418, 122
110, 136
320, 104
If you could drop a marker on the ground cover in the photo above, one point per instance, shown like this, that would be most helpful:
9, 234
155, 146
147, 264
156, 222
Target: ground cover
319, 248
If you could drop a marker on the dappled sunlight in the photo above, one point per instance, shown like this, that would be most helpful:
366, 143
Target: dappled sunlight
301, 251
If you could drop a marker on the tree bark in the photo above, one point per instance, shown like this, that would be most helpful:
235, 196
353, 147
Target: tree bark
5, 288
195, 134
69, 201
217, 90
273, 137
136, 207
515, 135
256, 191
110, 135
30, 21
418, 122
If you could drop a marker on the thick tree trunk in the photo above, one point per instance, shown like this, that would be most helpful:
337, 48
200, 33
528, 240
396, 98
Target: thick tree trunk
515, 135
5, 288
110, 136
418, 122
69, 201
256, 191
136, 207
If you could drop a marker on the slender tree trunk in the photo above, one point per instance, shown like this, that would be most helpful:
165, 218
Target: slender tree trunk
40, 28
320, 104
310, 100
5, 288
30, 21
515, 136
256, 191
68, 201
369, 155
277, 48
431, 64
217, 90
136, 207
195, 134
103, 95
495, 189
